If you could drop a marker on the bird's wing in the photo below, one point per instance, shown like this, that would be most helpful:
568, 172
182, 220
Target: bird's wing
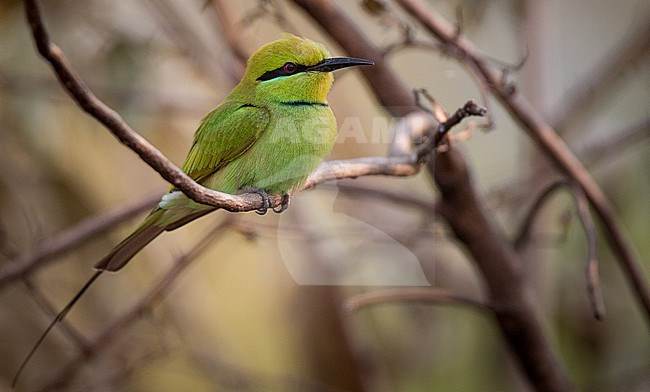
224, 134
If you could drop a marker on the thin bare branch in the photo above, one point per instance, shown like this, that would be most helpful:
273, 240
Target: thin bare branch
412, 294
593, 277
594, 289
526, 227
71, 238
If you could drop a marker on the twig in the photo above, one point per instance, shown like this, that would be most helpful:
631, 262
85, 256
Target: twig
471, 108
526, 227
154, 295
550, 142
411, 294
594, 289
593, 277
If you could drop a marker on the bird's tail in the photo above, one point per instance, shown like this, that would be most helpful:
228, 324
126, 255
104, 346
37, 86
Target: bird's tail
151, 228
123, 252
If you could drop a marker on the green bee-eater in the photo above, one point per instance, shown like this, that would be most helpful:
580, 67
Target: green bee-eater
267, 136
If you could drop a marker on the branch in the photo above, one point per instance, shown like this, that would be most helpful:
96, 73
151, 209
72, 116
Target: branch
594, 289
547, 139
412, 294
87, 229
500, 266
527, 226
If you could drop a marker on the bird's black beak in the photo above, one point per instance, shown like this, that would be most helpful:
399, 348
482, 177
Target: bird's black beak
334, 63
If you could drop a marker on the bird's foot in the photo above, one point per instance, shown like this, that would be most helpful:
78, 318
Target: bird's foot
286, 199
265, 198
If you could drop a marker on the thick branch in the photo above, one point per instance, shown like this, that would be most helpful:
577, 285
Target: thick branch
501, 269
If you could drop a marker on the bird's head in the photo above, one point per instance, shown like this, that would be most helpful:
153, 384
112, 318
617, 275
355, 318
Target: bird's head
294, 68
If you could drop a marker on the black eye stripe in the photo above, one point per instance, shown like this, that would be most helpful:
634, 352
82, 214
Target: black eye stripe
282, 71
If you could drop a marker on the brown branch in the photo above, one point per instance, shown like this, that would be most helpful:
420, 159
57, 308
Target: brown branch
154, 295
593, 278
495, 257
71, 238
526, 227
547, 139
412, 294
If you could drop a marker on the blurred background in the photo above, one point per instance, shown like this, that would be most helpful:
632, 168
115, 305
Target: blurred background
262, 307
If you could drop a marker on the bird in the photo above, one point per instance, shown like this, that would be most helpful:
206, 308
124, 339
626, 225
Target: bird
267, 136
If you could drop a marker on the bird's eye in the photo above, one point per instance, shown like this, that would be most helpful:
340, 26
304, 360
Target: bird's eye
289, 67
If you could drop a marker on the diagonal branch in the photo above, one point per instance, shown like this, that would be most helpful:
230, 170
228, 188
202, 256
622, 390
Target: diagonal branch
92, 105
85, 230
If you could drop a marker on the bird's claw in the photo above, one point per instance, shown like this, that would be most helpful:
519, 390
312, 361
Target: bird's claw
286, 199
266, 203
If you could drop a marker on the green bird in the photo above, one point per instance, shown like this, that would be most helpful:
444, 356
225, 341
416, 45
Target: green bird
267, 136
